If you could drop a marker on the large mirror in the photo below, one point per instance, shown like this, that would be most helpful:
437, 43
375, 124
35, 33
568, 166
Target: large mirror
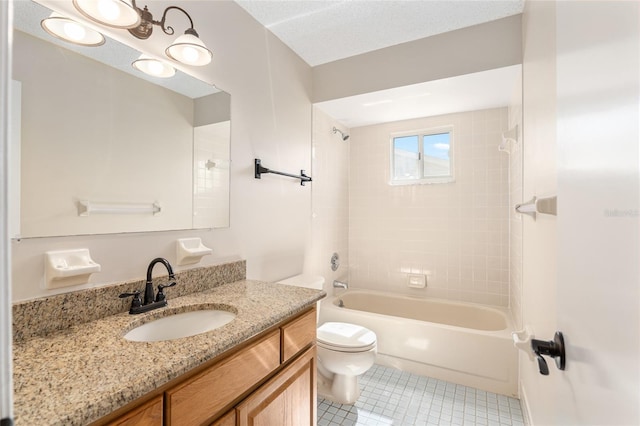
103, 150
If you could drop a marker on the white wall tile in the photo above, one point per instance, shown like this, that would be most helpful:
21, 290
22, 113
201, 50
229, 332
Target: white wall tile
329, 201
454, 230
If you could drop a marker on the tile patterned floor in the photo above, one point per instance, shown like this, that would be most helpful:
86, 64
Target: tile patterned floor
393, 397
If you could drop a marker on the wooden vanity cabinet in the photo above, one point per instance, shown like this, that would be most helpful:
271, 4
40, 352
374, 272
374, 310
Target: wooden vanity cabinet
270, 381
288, 399
198, 398
228, 419
148, 414
297, 335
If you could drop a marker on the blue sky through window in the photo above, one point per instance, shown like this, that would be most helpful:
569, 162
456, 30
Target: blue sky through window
407, 143
437, 145
435, 163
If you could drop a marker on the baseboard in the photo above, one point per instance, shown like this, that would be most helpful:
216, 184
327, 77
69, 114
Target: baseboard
524, 404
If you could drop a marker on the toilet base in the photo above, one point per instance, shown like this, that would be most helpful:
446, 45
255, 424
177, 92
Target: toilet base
341, 388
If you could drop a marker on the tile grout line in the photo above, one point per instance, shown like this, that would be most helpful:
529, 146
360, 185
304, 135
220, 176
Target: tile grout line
393, 397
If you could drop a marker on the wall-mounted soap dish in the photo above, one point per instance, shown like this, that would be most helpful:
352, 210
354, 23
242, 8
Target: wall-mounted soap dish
64, 268
190, 251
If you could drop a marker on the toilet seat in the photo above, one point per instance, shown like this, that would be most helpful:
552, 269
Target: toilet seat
344, 337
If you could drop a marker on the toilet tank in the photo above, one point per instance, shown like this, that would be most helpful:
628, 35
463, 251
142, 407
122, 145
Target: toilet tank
304, 280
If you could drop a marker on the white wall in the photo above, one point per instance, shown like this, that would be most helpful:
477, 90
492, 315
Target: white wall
329, 200
6, 338
271, 119
515, 197
482, 47
539, 269
455, 232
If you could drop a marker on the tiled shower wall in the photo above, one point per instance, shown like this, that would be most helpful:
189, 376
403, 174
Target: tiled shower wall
329, 200
456, 233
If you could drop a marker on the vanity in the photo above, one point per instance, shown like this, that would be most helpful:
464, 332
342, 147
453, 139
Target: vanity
257, 369
281, 359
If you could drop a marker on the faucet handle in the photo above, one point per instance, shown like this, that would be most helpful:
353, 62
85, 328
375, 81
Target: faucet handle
161, 296
136, 302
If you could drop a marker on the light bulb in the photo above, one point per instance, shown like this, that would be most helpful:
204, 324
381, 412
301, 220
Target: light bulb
108, 9
112, 13
190, 55
69, 30
153, 67
74, 31
190, 50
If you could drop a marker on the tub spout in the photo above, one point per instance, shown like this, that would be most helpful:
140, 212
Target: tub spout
340, 284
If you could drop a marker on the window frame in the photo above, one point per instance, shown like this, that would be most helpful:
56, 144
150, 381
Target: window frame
421, 134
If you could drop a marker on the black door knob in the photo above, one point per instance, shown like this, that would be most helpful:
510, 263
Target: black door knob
552, 348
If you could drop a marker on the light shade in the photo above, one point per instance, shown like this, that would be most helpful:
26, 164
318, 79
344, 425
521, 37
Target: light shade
189, 50
153, 67
112, 13
69, 30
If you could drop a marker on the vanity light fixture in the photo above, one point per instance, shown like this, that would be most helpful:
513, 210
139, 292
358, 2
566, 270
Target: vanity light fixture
153, 67
69, 30
187, 48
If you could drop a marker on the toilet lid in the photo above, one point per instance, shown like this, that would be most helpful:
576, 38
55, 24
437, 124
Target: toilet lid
345, 337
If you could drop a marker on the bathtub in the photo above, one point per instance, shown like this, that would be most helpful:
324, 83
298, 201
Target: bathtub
463, 343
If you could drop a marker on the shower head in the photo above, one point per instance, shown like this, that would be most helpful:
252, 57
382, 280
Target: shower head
344, 136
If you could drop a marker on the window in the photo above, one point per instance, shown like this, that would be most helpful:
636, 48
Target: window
422, 157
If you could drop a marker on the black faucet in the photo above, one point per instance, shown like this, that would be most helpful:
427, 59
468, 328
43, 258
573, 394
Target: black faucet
150, 302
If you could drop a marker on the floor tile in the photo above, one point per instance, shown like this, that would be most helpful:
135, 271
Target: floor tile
393, 397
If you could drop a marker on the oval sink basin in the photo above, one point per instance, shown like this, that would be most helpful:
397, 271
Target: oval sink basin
181, 325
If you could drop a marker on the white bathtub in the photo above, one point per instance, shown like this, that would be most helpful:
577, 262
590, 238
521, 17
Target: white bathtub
459, 342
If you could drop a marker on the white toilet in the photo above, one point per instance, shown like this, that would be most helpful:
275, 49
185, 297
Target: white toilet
345, 351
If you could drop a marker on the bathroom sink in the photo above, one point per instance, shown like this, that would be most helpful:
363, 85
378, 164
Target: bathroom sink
180, 325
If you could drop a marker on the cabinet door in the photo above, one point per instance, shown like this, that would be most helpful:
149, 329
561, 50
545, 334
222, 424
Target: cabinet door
288, 399
228, 419
148, 414
204, 396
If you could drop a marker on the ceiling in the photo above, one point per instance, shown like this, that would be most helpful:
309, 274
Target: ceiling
322, 31
471, 92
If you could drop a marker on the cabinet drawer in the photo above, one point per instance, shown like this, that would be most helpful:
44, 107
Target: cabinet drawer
205, 395
148, 414
298, 334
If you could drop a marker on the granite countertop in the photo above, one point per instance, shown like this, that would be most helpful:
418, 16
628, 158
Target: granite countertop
76, 376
